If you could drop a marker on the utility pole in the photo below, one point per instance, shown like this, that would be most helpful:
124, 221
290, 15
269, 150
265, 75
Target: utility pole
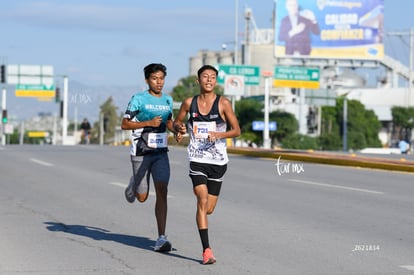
345, 125
410, 78
236, 31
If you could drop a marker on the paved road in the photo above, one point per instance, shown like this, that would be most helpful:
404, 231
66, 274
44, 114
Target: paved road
63, 212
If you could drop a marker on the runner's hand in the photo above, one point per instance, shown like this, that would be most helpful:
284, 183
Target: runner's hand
180, 128
155, 122
178, 137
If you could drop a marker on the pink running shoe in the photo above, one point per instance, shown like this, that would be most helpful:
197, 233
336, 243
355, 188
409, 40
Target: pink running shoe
208, 257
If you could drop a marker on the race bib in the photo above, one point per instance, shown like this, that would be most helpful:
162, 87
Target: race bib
157, 140
201, 128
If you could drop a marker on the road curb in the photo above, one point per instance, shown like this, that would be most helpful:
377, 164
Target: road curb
354, 160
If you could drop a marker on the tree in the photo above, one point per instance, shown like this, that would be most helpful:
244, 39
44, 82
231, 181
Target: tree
403, 122
329, 141
286, 123
111, 119
362, 126
247, 110
188, 87
330, 134
300, 142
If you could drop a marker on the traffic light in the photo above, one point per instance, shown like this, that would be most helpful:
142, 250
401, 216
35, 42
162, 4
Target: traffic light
4, 118
57, 95
61, 109
105, 123
3, 74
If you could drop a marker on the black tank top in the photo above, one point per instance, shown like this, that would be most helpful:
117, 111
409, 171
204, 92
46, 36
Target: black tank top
200, 149
213, 115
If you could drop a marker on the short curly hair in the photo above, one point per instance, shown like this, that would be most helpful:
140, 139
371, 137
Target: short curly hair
154, 67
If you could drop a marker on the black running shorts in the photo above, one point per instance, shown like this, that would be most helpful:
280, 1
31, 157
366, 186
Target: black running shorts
209, 174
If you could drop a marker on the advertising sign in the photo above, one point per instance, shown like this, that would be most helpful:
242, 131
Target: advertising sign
330, 29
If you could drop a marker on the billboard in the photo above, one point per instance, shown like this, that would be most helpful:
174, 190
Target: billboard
336, 29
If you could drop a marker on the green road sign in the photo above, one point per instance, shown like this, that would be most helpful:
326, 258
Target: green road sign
251, 73
296, 77
35, 90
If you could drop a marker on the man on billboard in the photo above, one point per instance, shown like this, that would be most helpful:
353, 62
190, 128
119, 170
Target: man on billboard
296, 29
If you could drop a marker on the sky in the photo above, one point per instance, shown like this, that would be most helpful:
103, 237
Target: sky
102, 42
108, 42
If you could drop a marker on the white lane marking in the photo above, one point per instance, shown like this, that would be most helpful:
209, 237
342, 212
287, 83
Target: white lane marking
123, 185
339, 187
41, 162
408, 267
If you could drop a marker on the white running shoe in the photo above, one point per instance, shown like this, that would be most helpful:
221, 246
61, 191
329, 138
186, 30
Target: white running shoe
162, 244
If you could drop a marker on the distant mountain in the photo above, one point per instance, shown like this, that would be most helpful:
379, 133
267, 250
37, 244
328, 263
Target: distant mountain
85, 101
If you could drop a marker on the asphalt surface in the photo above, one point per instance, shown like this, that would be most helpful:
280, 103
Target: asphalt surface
63, 212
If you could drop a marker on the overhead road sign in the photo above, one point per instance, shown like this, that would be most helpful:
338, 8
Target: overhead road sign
296, 77
251, 73
34, 90
32, 80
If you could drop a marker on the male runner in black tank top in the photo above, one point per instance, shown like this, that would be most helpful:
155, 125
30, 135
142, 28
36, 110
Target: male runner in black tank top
207, 151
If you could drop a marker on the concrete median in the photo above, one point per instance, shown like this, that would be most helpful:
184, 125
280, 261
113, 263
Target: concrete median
342, 159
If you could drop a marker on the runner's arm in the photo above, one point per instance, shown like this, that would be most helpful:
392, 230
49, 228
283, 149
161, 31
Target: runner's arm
128, 124
179, 125
230, 117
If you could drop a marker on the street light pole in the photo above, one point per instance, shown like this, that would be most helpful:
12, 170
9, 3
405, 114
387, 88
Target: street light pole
410, 78
345, 125
266, 136
65, 110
